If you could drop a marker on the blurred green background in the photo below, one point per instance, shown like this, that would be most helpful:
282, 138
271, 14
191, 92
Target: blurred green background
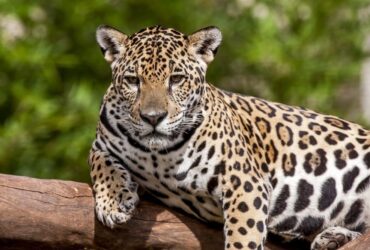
52, 74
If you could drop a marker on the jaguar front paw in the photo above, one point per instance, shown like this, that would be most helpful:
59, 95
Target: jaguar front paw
115, 208
333, 238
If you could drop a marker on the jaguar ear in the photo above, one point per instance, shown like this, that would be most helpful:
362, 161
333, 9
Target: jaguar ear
111, 42
204, 43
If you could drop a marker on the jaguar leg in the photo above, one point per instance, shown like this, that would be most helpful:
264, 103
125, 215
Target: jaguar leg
245, 213
115, 193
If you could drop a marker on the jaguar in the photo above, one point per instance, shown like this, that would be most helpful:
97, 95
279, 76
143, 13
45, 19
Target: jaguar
252, 165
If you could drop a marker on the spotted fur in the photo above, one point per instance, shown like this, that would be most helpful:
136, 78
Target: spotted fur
253, 165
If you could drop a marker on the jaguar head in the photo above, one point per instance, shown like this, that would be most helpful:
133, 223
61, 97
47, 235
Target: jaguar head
158, 76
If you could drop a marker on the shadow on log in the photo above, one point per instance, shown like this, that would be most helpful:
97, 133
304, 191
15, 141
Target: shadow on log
54, 214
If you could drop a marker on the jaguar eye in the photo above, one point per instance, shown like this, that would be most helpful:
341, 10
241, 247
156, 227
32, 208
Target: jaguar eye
132, 80
176, 79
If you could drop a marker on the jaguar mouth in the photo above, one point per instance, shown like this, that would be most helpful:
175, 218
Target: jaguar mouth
156, 135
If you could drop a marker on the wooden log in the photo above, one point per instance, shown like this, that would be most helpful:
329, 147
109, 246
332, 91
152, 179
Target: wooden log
55, 214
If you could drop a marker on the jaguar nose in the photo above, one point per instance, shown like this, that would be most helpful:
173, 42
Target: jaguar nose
153, 118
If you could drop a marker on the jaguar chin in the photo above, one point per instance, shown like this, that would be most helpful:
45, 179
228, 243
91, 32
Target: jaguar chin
156, 140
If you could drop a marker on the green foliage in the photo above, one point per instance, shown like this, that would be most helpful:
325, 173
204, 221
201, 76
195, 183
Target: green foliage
53, 76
